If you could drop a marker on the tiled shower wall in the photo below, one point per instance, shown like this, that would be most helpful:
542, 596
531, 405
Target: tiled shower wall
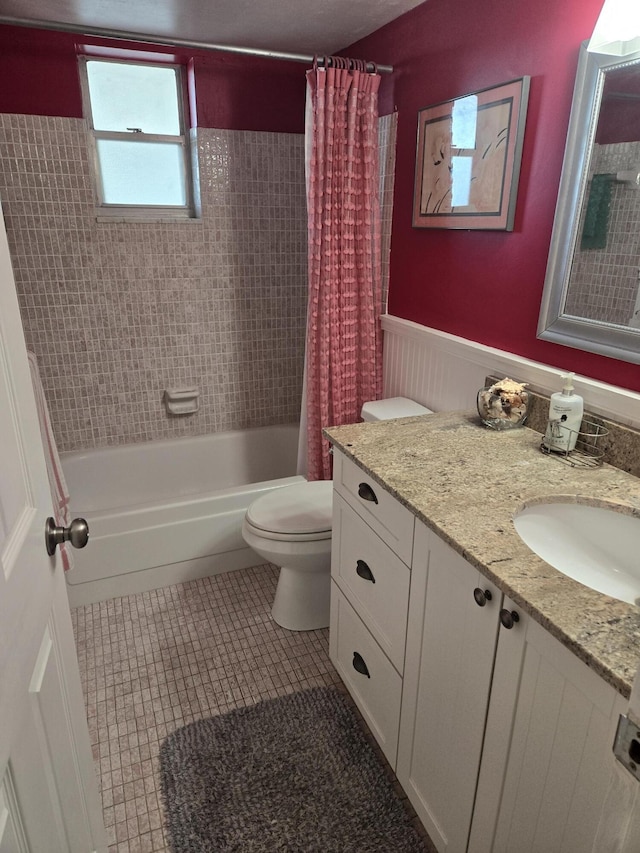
604, 282
116, 313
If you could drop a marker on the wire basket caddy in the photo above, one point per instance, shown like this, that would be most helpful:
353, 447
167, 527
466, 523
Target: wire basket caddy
589, 449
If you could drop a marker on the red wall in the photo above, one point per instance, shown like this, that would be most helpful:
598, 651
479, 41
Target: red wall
484, 285
40, 73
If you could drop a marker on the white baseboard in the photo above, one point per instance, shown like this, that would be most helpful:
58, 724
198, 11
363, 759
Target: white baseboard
444, 372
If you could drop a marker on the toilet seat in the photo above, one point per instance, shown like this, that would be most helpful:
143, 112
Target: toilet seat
301, 513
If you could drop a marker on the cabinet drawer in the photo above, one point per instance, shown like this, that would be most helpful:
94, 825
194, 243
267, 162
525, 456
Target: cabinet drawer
373, 579
391, 521
376, 689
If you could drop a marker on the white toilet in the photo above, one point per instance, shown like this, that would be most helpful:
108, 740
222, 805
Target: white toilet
291, 527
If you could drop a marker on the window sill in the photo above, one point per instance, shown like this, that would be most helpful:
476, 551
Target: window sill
120, 219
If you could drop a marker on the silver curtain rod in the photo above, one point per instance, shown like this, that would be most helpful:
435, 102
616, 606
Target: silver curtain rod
172, 42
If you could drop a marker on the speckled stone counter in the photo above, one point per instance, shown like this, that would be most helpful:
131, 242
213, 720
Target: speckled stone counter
466, 482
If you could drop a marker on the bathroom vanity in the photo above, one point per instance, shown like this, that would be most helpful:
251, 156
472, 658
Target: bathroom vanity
492, 682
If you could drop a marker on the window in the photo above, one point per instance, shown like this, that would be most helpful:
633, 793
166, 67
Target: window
137, 128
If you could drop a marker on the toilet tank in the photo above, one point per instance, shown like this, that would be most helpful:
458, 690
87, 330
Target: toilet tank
393, 407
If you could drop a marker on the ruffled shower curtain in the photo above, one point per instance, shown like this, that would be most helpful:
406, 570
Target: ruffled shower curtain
343, 363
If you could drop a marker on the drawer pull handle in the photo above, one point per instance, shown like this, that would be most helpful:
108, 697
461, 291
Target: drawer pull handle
482, 596
364, 571
366, 493
509, 618
359, 665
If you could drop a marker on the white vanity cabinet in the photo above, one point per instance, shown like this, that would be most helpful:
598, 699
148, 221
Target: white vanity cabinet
548, 764
501, 737
451, 643
372, 543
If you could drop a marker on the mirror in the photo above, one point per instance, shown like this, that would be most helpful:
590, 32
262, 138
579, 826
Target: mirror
591, 297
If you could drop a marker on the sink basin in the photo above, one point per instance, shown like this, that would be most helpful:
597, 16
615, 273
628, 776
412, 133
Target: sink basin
597, 546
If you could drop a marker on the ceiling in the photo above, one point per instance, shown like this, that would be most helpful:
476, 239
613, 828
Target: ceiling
297, 26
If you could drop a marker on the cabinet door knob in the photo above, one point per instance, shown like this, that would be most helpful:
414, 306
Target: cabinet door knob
482, 596
359, 665
364, 571
509, 618
366, 493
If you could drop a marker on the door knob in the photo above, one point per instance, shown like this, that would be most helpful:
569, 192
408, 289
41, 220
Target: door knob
77, 534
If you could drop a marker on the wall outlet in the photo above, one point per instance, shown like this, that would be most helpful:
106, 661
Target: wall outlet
627, 745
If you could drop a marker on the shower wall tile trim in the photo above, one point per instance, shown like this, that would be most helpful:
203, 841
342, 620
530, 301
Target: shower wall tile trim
117, 312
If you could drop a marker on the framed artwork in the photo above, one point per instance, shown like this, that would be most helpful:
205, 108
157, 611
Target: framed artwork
468, 159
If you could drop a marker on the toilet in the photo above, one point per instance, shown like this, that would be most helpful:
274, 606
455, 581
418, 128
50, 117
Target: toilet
291, 527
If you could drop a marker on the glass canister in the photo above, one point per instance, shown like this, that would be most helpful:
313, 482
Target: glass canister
503, 405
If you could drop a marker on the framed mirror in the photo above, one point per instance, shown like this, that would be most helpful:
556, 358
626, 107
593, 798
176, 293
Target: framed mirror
591, 297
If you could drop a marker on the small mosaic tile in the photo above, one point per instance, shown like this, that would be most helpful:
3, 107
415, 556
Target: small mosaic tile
218, 303
158, 660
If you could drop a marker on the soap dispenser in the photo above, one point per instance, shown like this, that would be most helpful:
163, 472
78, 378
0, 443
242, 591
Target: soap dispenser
565, 417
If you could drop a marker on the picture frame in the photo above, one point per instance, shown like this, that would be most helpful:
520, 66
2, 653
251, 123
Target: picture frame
468, 159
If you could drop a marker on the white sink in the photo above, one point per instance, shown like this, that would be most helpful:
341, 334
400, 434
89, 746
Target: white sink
597, 546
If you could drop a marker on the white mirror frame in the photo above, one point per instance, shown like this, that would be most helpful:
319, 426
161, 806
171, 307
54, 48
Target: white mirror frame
554, 325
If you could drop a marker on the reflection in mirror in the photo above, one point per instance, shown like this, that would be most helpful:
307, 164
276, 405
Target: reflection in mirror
592, 290
603, 284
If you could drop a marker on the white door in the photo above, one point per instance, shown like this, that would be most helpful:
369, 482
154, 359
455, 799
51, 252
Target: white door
49, 797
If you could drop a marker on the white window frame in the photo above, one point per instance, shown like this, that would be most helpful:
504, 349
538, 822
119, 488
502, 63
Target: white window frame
139, 212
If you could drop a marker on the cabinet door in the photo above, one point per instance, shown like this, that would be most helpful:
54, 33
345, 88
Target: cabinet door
451, 644
547, 763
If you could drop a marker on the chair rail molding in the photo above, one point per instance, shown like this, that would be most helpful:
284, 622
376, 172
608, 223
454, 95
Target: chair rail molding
444, 371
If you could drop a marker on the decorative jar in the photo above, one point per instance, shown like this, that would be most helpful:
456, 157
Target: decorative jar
503, 407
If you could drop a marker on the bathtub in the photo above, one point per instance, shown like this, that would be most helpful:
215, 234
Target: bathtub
163, 512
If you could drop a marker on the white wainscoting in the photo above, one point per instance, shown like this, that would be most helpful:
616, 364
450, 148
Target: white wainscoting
444, 372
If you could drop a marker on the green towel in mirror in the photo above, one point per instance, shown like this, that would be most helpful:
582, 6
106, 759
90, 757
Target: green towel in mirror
596, 220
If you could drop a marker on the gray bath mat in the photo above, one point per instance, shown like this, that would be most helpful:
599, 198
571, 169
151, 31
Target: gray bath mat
293, 775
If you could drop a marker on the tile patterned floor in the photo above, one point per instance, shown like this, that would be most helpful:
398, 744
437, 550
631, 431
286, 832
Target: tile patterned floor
158, 660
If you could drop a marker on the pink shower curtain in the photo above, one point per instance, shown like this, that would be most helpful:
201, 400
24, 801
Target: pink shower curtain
344, 341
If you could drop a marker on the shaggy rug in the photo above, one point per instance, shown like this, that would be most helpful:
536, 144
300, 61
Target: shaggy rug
288, 774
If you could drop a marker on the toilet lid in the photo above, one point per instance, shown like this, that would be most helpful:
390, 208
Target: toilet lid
294, 509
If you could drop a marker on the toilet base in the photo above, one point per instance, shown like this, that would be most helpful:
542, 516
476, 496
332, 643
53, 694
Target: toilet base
302, 599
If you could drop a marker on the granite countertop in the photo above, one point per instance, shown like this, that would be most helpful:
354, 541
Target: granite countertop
466, 482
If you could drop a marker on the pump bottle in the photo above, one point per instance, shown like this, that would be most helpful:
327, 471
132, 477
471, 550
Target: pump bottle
565, 417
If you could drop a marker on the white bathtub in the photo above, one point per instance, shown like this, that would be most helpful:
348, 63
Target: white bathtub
163, 512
